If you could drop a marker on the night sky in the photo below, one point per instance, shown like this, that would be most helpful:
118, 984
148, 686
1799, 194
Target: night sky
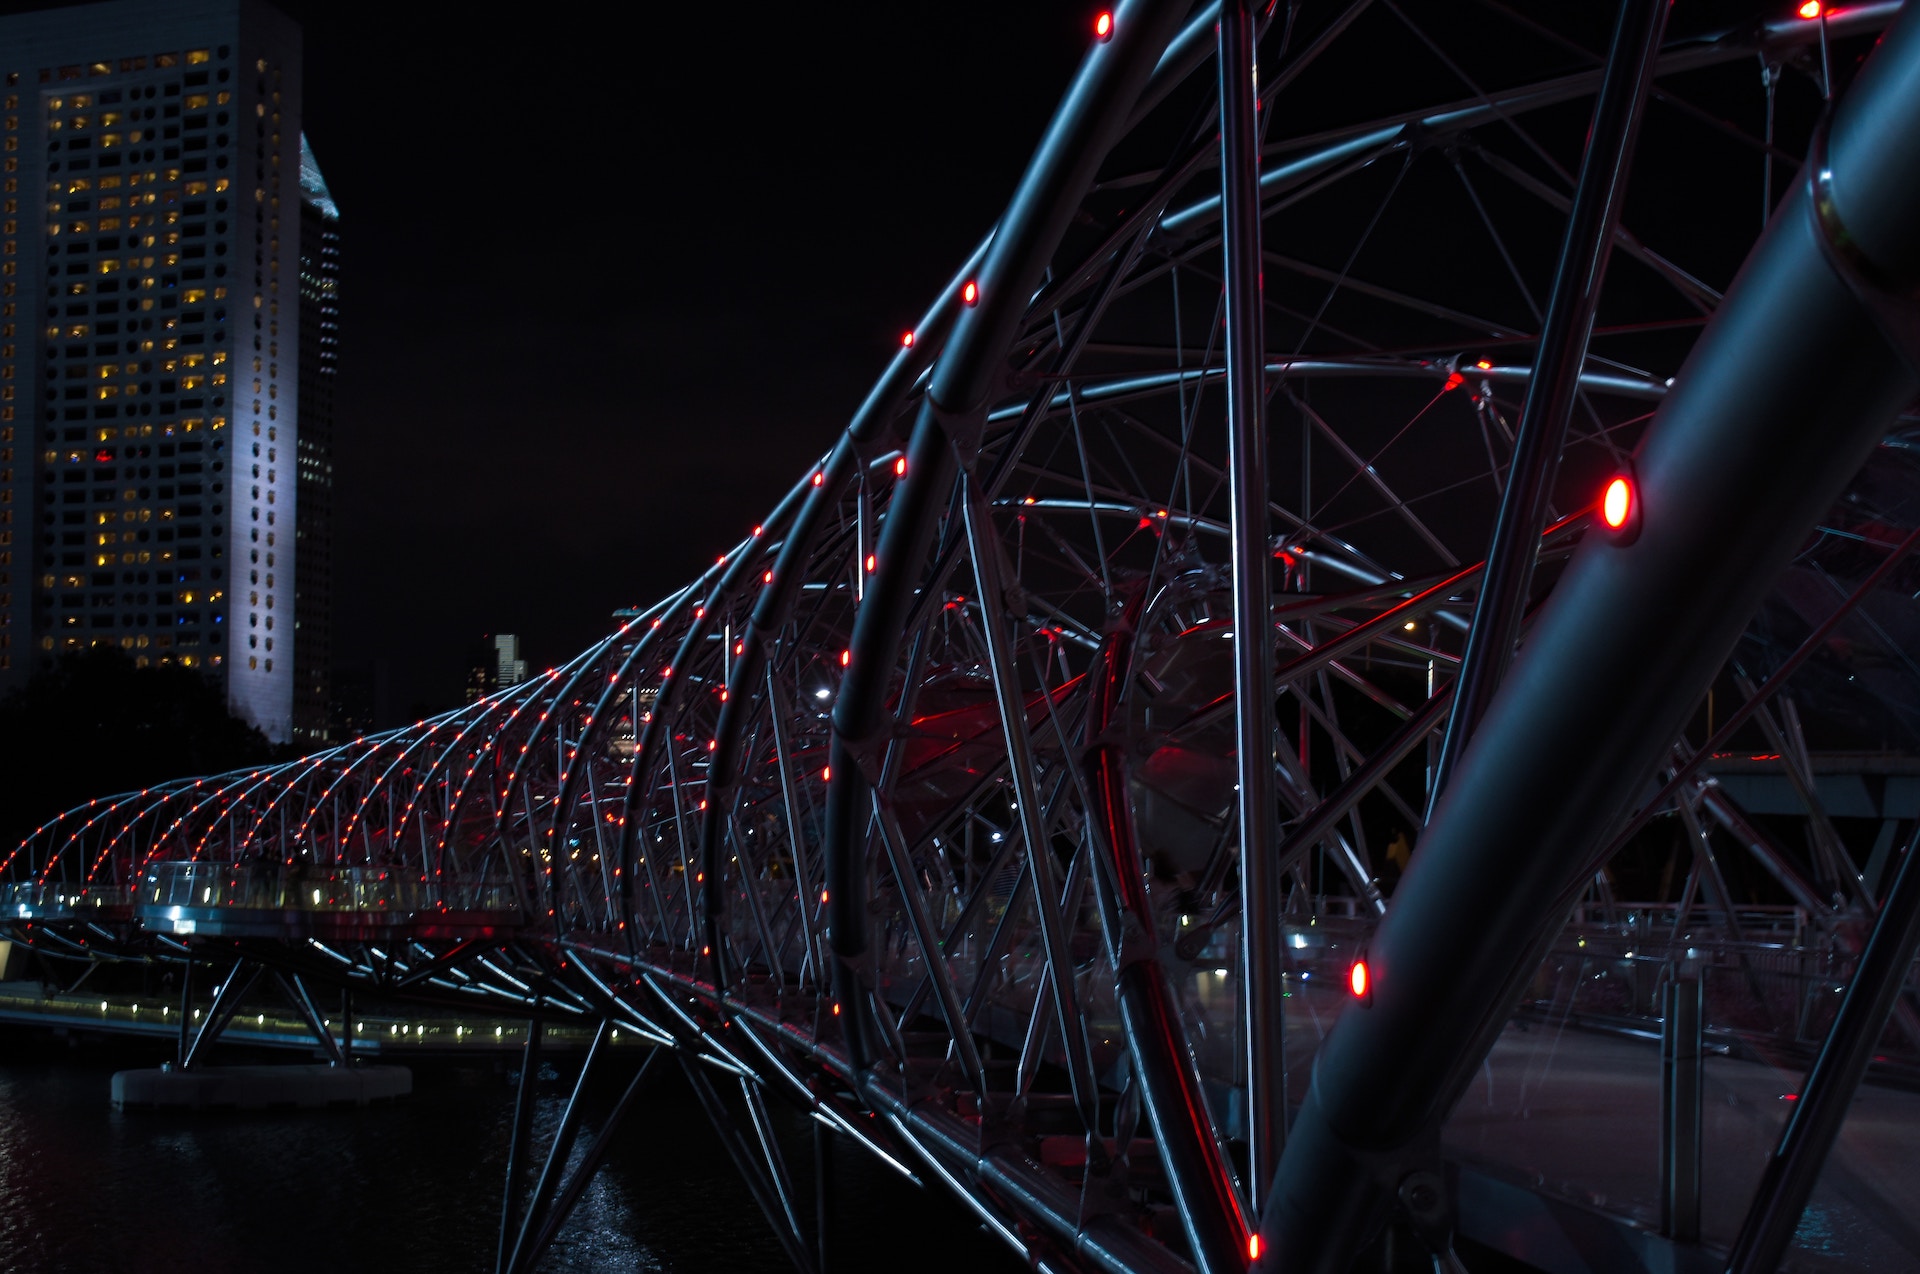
615, 275
610, 285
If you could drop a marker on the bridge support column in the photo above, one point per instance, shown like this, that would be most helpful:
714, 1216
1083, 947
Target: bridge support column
225, 1002
186, 1011
1681, 1082
518, 1145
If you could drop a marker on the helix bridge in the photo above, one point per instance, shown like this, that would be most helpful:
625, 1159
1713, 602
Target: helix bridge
1277, 737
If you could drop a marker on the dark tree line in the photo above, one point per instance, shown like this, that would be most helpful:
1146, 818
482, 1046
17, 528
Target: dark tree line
93, 724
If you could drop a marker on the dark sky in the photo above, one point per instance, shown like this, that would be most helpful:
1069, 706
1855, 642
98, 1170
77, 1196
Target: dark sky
614, 276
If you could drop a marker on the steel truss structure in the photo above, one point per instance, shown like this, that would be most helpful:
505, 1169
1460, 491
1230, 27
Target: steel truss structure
956, 805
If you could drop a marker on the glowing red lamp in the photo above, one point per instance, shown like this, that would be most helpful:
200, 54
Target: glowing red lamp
906, 340
1616, 504
1359, 980
970, 294
1103, 26
1811, 10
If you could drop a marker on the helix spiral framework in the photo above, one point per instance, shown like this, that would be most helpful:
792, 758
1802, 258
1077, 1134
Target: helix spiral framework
924, 807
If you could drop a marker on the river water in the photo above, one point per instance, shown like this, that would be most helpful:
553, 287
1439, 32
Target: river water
412, 1185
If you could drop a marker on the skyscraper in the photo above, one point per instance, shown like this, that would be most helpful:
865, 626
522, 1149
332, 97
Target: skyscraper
496, 664
151, 341
313, 518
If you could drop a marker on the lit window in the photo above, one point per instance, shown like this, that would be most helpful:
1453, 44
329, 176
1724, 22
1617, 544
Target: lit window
194, 58
196, 101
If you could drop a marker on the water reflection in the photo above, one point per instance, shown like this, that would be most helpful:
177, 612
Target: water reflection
414, 1185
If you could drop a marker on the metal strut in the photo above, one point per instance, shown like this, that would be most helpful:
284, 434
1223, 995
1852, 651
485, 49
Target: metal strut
1577, 281
1253, 677
1789, 1177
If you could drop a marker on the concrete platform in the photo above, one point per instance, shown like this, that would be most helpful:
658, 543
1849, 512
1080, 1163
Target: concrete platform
259, 1087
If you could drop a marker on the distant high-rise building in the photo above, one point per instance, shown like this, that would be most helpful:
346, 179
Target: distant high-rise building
496, 665
151, 320
313, 518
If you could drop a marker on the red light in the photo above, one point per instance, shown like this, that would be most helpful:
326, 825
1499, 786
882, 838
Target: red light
1484, 365
1617, 504
872, 562
1454, 381
1810, 10
846, 658
1253, 1247
900, 467
767, 578
1789, 1096
1103, 26
836, 1010
826, 776
1358, 979
819, 479
906, 340
970, 293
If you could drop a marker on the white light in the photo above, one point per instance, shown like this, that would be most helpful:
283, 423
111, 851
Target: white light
1219, 973
823, 693
998, 837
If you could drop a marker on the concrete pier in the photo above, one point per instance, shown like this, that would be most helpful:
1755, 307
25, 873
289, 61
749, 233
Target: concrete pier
259, 1087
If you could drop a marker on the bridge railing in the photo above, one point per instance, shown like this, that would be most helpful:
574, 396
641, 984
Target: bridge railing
272, 887
56, 900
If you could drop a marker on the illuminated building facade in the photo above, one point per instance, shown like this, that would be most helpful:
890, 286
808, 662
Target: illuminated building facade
496, 665
313, 517
151, 342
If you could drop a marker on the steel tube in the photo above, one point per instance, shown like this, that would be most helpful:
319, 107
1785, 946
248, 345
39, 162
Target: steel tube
1680, 1111
1597, 198
1784, 396
1787, 1181
1197, 1170
1260, 986
521, 1142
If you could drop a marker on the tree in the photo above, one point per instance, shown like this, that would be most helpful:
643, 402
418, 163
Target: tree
94, 724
